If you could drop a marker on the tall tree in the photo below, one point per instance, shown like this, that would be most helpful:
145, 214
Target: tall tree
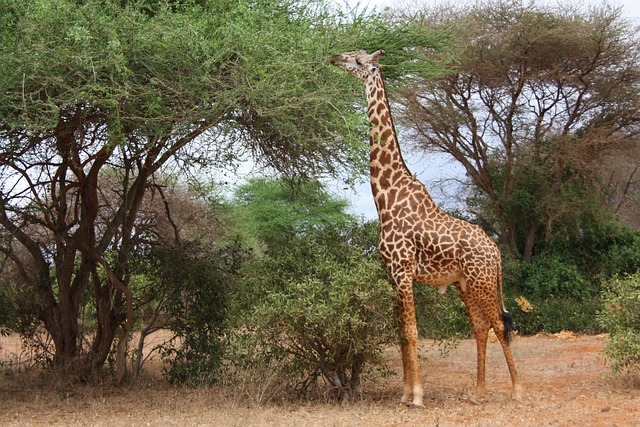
536, 100
99, 96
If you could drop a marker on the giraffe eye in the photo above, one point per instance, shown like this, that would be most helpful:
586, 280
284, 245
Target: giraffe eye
358, 62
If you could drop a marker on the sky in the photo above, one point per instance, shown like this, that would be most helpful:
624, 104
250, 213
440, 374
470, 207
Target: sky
434, 170
630, 7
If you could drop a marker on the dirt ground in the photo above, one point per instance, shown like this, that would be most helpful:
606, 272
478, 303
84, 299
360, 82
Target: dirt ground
565, 378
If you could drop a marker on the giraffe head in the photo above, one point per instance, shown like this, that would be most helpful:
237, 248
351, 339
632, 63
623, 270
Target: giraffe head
358, 63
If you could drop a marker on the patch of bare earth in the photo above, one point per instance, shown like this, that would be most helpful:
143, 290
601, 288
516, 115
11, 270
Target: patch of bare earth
564, 376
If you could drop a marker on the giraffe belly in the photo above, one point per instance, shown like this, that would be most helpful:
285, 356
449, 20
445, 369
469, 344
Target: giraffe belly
441, 278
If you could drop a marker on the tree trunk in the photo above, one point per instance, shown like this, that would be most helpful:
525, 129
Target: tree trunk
508, 237
107, 325
529, 243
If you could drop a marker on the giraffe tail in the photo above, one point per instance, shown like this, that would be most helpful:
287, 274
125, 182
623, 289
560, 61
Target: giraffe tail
507, 318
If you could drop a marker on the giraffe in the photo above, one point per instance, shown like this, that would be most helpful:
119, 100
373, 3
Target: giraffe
420, 243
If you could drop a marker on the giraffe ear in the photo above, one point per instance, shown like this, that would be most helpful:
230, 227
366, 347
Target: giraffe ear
377, 55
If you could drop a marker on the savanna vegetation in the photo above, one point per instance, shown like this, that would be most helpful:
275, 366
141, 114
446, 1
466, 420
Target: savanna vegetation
120, 119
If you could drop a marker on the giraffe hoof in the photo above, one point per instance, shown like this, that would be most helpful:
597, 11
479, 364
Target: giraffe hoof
416, 406
476, 399
517, 394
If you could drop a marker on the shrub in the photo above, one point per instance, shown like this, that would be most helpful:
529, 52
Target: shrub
192, 283
320, 331
552, 315
560, 295
620, 316
550, 277
441, 317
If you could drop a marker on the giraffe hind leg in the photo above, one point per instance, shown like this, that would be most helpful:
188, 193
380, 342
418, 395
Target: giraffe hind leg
481, 326
503, 333
482, 302
481, 332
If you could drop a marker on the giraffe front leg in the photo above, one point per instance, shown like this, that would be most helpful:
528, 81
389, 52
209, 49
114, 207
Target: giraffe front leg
413, 391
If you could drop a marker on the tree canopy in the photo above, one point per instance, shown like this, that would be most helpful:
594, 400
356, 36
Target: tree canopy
275, 211
537, 101
102, 101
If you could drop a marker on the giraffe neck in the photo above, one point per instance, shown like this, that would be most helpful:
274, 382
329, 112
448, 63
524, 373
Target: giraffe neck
387, 166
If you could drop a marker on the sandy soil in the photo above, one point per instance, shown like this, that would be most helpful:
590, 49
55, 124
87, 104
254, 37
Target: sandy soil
565, 378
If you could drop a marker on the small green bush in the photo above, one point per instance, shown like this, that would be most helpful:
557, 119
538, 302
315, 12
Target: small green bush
552, 315
192, 282
319, 332
550, 294
620, 316
548, 277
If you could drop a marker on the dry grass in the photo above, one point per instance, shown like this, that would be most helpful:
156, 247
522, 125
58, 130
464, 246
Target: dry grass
565, 379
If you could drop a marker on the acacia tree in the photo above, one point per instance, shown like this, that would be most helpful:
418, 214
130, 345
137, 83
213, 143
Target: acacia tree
99, 96
536, 100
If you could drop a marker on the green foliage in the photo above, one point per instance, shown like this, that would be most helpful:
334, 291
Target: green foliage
14, 320
552, 315
193, 286
621, 318
316, 307
257, 69
7, 309
270, 216
550, 294
441, 317
603, 249
549, 277
563, 284
273, 211
328, 326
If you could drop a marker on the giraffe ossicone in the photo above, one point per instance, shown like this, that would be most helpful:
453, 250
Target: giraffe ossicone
420, 243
